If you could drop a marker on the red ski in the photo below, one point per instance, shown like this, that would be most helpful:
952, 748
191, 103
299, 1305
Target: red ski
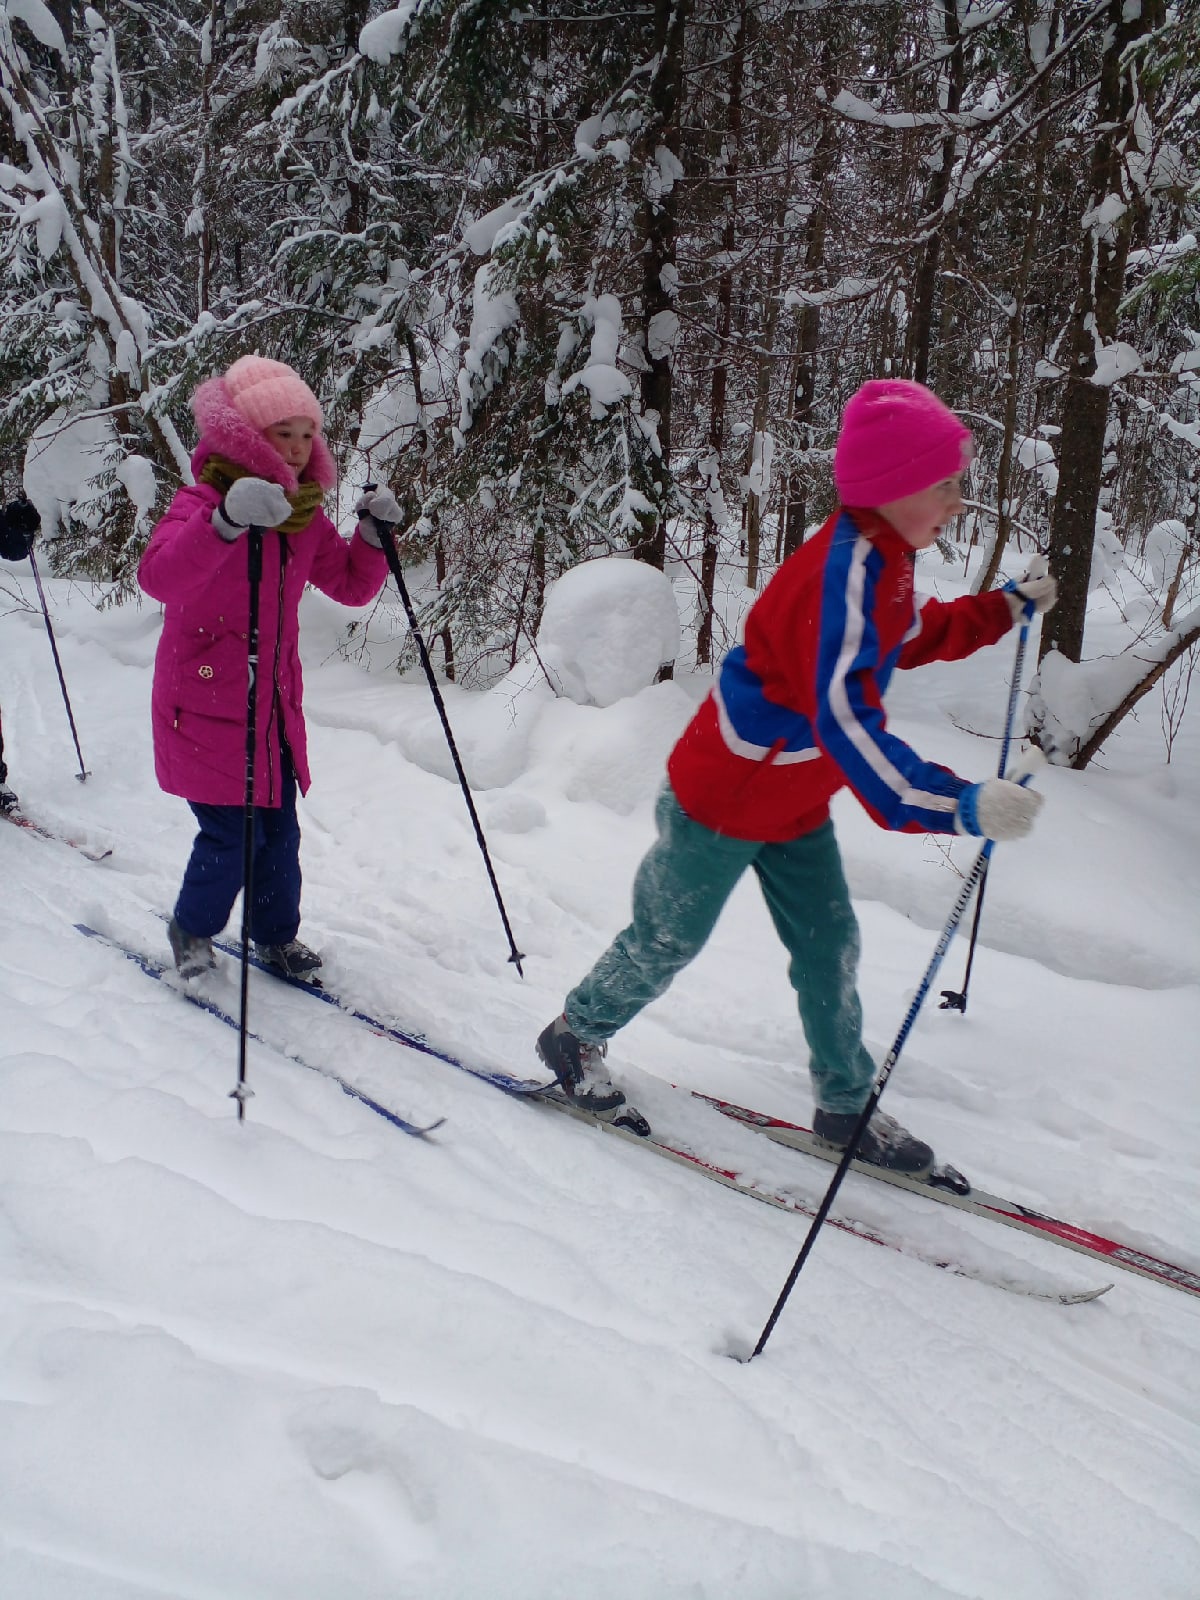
1009, 1212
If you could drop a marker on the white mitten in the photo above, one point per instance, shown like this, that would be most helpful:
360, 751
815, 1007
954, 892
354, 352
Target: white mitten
1033, 594
997, 809
251, 502
375, 506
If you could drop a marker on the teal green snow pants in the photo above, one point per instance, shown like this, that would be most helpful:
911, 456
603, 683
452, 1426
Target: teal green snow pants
684, 880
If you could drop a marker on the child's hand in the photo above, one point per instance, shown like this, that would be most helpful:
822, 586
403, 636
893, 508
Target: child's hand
251, 503
997, 809
1033, 594
375, 506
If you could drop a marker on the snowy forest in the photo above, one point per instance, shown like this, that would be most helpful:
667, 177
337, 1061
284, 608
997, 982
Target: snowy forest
586, 277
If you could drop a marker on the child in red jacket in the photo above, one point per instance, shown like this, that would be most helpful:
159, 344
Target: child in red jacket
795, 714
261, 461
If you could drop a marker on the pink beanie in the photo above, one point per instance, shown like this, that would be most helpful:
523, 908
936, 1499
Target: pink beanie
897, 438
265, 392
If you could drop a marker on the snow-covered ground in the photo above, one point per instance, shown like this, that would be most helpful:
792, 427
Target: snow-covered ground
307, 1358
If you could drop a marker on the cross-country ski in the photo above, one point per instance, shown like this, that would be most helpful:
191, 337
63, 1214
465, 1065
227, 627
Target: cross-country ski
957, 1193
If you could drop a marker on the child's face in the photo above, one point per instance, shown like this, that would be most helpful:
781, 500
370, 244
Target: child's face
920, 518
293, 439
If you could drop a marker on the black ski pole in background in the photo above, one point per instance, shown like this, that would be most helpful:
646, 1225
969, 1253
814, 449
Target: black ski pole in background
387, 536
82, 774
956, 999
254, 560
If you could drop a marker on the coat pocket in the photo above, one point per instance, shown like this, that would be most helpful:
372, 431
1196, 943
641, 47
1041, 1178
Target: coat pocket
211, 676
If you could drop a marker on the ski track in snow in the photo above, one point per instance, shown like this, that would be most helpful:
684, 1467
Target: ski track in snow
308, 1357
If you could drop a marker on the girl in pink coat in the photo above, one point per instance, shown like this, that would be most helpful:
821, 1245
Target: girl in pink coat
261, 461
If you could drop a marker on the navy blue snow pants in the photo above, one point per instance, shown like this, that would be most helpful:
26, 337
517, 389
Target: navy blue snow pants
213, 878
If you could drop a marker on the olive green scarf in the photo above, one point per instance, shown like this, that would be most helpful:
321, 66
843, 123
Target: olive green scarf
221, 474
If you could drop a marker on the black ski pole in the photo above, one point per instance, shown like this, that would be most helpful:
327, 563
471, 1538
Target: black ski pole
254, 560
960, 905
956, 999
387, 535
82, 774
885, 1072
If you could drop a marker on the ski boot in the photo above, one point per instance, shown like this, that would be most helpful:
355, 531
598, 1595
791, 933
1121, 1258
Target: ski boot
578, 1064
884, 1144
192, 951
8, 800
290, 960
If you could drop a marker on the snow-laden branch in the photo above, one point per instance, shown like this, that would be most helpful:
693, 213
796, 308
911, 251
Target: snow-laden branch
1077, 705
844, 292
854, 109
37, 18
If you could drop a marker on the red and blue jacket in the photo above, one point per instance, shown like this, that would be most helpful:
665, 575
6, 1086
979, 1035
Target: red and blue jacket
797, 710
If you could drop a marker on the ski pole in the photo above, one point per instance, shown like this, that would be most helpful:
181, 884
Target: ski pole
1024, 768
956, 999
387, 535
885, 1071
82, 774
254, 560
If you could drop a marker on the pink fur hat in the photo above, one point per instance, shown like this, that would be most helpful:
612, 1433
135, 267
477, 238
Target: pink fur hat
266, 392
897, 438
225, 431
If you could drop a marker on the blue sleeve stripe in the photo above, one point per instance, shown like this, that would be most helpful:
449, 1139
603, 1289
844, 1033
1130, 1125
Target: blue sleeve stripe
882, 769
753, 726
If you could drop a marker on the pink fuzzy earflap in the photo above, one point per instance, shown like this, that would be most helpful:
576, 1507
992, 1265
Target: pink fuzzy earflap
225, 432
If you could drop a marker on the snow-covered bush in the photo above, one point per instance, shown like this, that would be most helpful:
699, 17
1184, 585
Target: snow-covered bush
607, 628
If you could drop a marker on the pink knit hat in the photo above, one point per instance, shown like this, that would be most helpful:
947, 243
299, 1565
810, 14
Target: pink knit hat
897, 438
265, 392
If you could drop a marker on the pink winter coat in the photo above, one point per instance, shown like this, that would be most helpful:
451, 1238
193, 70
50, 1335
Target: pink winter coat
201, 671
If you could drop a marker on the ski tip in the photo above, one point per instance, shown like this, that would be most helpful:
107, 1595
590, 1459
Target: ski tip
1080, 1297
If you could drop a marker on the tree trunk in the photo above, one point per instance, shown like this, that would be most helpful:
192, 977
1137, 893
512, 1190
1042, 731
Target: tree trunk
441, 571
200, 177
1016, 338
657, 234
1187, 554
1104, 247
720, 374
808, 336
921, 323
755, 501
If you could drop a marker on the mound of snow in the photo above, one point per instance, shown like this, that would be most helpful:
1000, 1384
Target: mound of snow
607, 628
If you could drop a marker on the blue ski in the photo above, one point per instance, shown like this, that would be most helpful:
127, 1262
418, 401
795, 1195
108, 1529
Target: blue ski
627, 1119
160, 970
523, 1087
